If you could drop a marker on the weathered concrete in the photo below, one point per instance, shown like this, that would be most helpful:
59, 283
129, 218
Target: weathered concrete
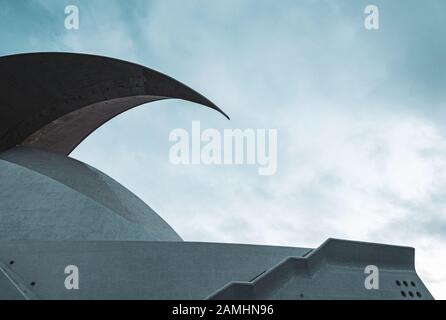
185, 270
55, 100
335, 270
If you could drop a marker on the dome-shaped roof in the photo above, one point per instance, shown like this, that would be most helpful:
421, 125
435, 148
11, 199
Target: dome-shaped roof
51, 102
46, 196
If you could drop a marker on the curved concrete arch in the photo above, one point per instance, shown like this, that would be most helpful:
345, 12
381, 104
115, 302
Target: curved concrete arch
55, 100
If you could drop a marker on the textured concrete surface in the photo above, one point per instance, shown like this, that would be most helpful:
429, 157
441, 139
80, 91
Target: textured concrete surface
56, 211
185, 270
55, 100
335, 270
46, 196
136, 270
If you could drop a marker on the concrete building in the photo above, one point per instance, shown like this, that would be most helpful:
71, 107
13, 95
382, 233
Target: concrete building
57, 212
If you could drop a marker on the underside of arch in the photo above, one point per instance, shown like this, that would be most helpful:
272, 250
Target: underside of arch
53, 101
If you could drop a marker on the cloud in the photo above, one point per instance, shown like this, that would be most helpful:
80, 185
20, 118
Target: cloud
362, 150
359, 157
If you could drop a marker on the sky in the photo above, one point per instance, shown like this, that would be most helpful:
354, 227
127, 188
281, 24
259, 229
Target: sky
359, 114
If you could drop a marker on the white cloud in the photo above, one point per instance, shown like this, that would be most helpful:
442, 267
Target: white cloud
370, 179
356, 159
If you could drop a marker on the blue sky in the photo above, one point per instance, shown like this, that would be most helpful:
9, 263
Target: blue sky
360, 114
